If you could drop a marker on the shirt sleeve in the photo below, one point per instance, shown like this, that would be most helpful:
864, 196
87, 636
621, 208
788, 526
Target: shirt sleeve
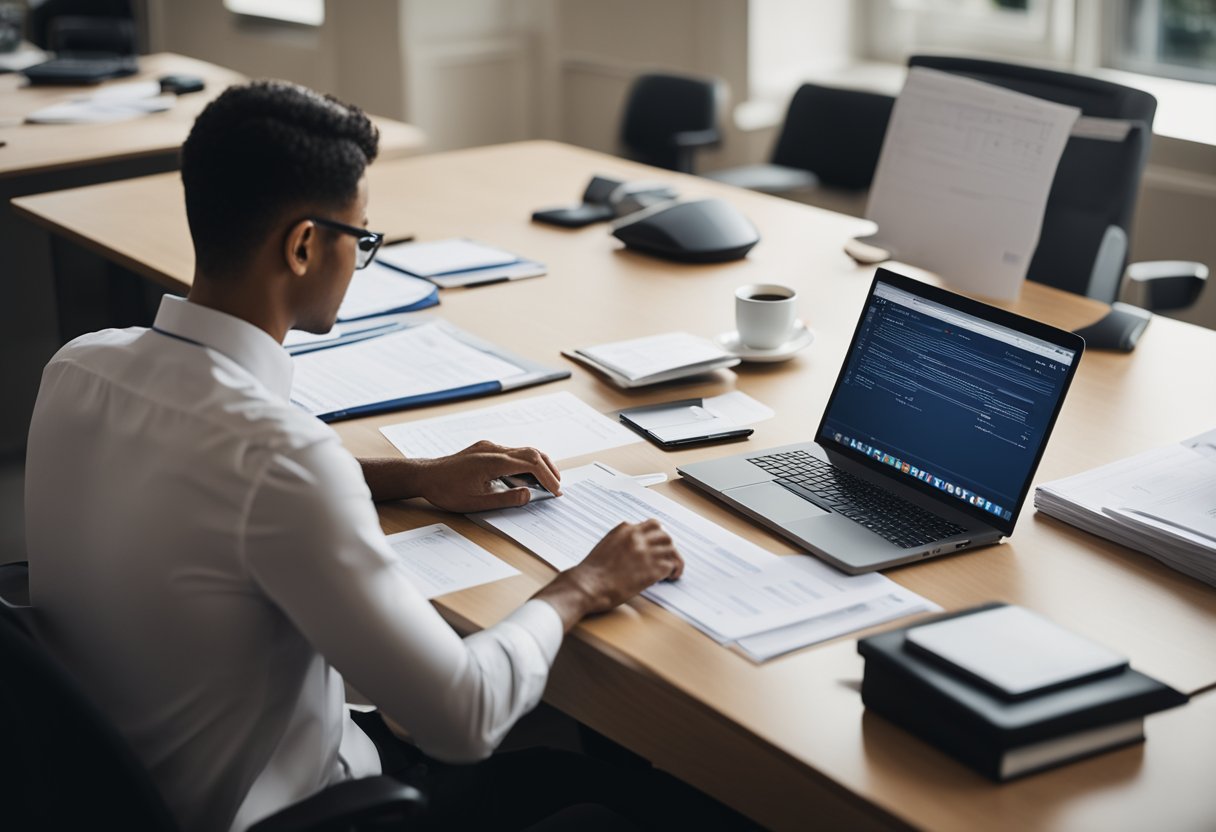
313, 544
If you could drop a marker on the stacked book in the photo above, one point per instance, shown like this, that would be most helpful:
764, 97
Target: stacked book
1006, 691
654, 359
1161, 502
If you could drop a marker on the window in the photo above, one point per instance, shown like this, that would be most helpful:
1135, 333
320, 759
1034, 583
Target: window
306, 12
1173, 38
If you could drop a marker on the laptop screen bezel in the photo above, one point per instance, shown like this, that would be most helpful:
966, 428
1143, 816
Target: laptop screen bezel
990, 314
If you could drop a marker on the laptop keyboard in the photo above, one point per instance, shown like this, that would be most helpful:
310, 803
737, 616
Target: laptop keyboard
899, 521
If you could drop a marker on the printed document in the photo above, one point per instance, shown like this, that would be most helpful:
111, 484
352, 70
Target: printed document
730, 588
560, 424
411, 362
654, 354
377, 290
439, 257
962, 182
437, 560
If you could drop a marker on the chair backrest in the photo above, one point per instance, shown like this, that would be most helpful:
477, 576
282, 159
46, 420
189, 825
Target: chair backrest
64, 765
835, 133
1093, 197
667, 115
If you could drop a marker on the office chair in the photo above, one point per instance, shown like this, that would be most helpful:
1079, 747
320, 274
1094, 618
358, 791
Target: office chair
668, 117
1083, 244
64, 766
831, 138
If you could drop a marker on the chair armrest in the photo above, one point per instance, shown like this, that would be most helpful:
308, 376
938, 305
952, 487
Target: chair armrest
15, 584
349, 805
696, 138
1166, 284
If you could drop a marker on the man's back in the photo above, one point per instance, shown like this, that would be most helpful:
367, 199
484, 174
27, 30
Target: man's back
144, 454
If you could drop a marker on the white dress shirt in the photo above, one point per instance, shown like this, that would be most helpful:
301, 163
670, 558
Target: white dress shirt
207, 558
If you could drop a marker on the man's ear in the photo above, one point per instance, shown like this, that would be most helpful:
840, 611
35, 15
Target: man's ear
300, 246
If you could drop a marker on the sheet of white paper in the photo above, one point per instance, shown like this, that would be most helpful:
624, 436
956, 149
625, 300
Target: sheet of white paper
963, 178
443, 256
298, 337
739, 408
378, 289
730, 587
415, 361
100, 111
437, 560
898, 603
560, 424
641, 357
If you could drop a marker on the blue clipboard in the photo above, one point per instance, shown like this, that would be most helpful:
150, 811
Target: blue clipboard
534, 373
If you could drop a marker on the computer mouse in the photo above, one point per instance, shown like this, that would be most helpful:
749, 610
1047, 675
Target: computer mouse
697, 231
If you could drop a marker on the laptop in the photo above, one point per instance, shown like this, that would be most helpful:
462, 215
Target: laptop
930, 438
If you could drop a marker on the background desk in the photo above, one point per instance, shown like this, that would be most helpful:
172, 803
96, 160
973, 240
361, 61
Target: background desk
37, 158
787, 741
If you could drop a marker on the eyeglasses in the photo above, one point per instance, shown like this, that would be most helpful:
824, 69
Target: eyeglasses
367, 241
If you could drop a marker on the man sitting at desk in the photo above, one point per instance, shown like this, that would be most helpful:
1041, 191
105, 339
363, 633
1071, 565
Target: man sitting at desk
209, 557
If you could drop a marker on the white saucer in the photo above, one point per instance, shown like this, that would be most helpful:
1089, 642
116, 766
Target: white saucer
802, 339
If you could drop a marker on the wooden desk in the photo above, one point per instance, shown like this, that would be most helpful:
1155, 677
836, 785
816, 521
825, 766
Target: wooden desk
787, 741
37, 158
39, 148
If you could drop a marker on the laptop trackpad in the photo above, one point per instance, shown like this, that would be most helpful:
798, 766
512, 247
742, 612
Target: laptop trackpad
774, 502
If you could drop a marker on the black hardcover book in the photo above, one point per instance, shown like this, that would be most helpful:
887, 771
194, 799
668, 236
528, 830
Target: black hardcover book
1005, 738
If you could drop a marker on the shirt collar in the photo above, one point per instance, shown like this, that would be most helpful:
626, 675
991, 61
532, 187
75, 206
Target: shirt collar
253, 348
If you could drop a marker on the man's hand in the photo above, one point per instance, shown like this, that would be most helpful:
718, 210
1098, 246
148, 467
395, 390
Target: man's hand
630, 558
464, 481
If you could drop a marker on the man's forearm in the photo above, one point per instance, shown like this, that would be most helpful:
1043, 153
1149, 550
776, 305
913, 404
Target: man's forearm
393, 478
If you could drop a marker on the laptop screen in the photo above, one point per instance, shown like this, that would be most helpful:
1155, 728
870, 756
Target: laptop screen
951, 395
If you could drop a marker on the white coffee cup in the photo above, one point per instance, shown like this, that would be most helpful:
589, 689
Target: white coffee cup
765, 315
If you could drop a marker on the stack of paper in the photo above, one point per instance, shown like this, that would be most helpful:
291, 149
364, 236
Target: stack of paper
457, 262
654, 359
732, 590
1162, 503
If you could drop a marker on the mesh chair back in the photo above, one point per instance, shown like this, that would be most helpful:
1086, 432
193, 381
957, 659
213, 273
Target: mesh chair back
661, 110
64, 766
836, 134
1097, 181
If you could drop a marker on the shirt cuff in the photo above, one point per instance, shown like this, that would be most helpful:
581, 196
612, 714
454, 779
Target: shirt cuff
543, 623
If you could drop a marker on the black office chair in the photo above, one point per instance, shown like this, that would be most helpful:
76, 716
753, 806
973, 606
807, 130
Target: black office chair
1083, 244
668, 117
831, 138
63, 766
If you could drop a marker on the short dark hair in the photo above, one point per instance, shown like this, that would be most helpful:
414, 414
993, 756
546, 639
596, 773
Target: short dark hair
260, 150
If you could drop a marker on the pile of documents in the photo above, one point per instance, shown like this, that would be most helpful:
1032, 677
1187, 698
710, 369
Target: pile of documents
116, 102
654, 359
410, 363
740, 595
457, 262
1162, 503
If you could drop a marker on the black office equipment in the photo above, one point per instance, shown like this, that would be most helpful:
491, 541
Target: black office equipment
668, 117
89, 50
65, 766
1000, 737
180, 84
697, 231
830, 138
681, 424
594, 208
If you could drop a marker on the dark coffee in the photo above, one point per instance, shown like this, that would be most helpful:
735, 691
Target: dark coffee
769, 297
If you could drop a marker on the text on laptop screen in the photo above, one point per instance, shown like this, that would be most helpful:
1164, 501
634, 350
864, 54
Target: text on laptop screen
955, 401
